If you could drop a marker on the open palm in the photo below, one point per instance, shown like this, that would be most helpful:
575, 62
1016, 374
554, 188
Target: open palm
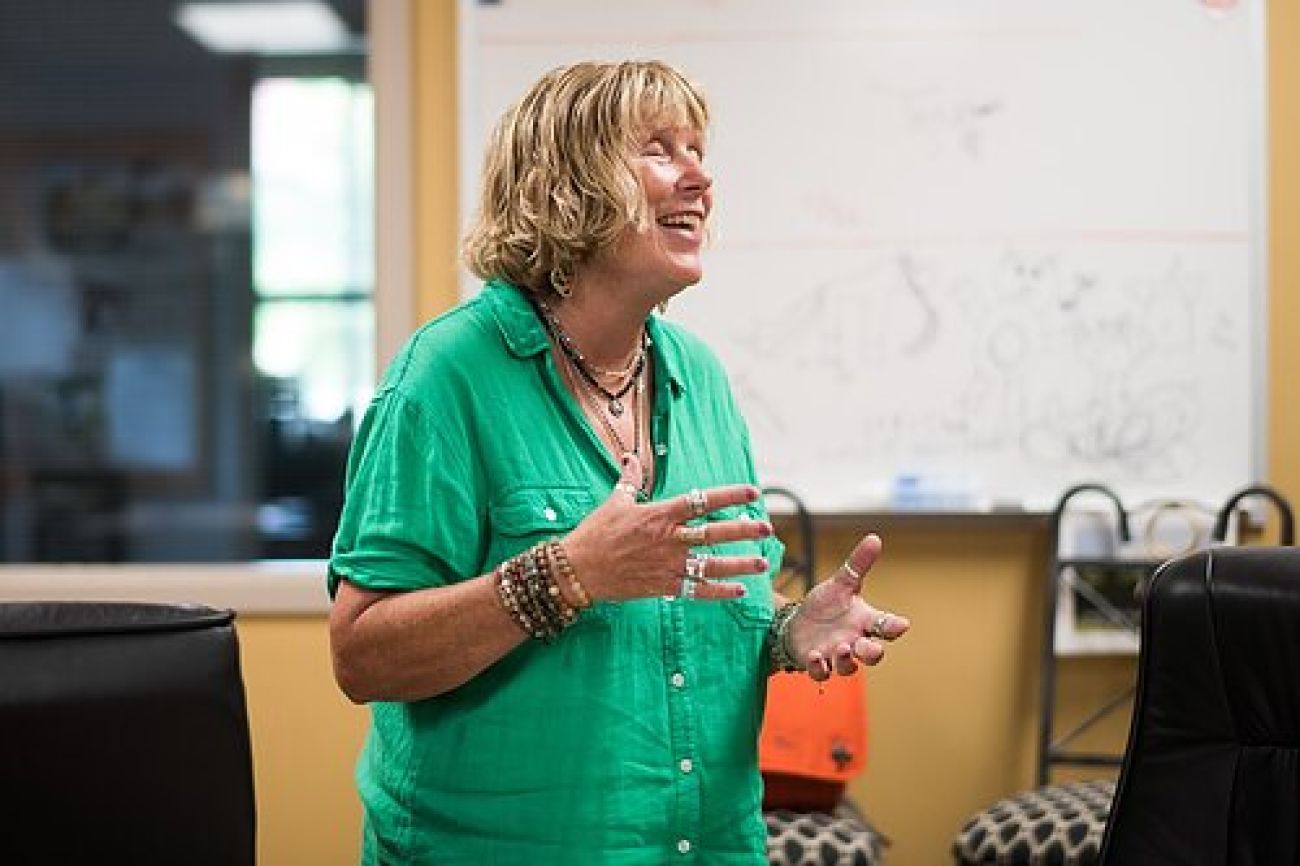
836, 629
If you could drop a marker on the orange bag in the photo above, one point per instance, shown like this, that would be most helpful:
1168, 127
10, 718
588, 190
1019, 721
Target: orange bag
813, 740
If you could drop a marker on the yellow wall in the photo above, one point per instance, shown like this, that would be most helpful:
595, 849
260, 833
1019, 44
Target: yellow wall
1284, 244
305, 739
952, 712
437, 208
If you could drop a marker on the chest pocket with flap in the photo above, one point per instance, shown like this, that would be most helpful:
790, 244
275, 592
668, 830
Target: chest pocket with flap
539, 511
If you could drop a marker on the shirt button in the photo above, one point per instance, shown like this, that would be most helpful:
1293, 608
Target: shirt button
549, 513
684, 846
678, 680
661, 449
686, 765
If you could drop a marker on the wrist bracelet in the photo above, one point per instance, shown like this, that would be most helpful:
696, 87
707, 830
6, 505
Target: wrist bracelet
779, 635
560, 559
526, 587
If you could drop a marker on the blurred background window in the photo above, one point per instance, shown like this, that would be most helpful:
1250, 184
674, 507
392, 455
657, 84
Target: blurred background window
186, 276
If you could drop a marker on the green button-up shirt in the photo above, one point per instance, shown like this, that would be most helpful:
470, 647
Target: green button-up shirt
632, 738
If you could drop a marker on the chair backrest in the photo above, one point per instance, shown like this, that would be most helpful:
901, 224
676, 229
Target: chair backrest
123, 735
1210, 774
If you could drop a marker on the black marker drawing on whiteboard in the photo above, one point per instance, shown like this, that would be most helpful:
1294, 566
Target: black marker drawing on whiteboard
944, 122
928, 329
1145, 434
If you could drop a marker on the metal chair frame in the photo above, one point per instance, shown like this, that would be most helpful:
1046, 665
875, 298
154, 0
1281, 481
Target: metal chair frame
1054, 751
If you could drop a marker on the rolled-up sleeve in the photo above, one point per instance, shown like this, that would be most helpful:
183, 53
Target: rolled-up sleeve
410, 518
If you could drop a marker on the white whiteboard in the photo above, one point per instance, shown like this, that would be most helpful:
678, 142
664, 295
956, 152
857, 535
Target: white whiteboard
967, 254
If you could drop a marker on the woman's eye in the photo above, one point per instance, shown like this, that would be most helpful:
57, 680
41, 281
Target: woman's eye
655, 149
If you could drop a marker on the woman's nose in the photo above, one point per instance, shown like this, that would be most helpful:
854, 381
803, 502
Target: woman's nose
695, 177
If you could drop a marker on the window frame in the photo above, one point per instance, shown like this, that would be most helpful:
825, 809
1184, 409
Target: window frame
287, 587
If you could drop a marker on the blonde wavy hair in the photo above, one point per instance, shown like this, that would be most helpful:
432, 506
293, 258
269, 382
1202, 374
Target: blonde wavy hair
558, 184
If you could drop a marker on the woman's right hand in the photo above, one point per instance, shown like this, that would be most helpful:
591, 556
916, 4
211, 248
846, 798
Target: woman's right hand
625, 549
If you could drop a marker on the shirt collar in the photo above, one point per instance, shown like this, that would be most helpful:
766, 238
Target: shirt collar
525, 335
520, 328
667, 355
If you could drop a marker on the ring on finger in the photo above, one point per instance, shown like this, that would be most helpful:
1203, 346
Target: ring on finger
628, 488
695, 565
697, 502
687, 589
853, 572
877, 629
693, 535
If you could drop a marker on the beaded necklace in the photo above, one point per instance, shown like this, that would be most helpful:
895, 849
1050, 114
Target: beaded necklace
619, 443
588, 372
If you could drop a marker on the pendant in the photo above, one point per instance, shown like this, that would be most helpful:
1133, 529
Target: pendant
615, 407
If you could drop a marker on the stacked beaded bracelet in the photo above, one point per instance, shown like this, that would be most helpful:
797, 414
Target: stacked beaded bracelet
529, 593
782, 656
560, 561
528, 590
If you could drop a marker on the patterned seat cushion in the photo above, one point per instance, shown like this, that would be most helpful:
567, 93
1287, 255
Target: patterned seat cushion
842, 838
1056, 825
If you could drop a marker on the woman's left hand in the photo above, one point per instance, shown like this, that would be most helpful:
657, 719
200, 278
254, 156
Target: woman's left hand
835, 629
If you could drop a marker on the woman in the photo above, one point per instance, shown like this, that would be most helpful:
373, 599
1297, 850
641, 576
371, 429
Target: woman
551, 577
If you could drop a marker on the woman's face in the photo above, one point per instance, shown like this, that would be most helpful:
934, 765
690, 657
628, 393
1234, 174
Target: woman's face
666, 255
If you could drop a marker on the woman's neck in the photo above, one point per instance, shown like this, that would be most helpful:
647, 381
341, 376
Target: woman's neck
606, 327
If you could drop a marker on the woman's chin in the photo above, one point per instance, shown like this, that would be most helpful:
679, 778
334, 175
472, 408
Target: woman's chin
688, 275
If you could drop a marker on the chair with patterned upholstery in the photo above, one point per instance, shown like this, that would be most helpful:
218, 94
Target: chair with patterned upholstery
1062, 824
1209, 775
843, 837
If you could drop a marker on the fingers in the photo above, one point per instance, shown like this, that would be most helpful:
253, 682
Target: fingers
734, 566
864, 650
702, 568
888, 626
722, 532
818, 667
701, 575
858, 563
630, 477
845, 659
868, 651
708, 590
867, 648
697, 503
844, 663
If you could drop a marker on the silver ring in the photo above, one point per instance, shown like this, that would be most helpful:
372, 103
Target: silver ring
698, 503
853, 572
687, 589
695, 563
693, 535
877, 629
628, 488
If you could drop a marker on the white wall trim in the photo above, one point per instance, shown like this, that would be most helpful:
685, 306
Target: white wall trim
391, 72
287, 587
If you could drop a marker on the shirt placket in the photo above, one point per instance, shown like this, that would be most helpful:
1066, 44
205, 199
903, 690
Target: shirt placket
682, 711
683, 734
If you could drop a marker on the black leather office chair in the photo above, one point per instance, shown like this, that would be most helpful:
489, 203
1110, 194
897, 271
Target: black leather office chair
1210, 776
1063, 823
123, 736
